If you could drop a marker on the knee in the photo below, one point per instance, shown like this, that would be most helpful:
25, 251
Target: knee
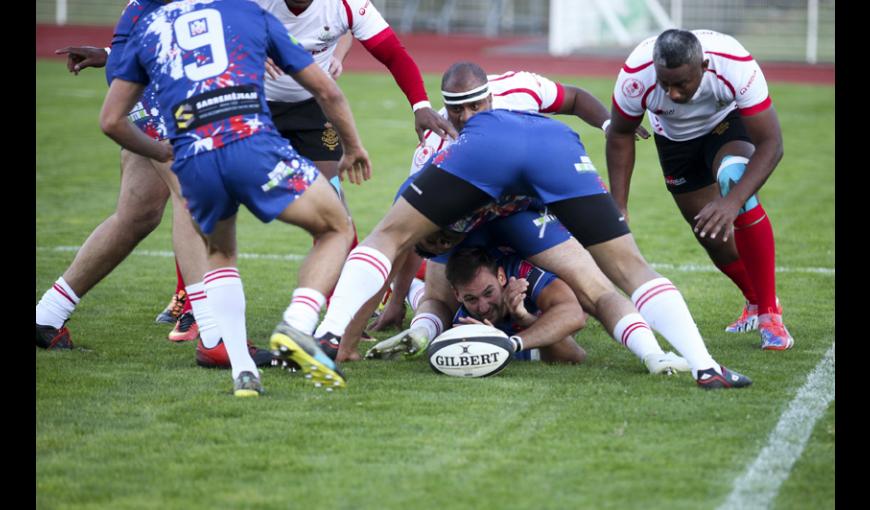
730, 171
141, 221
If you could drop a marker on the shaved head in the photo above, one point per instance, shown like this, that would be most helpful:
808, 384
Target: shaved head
463, 76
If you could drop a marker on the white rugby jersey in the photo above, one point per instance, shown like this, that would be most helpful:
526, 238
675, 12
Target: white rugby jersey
318, 28
733, 80
515, 90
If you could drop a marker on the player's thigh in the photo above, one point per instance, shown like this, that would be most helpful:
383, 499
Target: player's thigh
575, 266
623, 264
691, 203
170, 180
318, 210
143, 194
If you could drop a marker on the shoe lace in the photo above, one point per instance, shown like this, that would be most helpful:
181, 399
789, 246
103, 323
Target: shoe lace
185, 322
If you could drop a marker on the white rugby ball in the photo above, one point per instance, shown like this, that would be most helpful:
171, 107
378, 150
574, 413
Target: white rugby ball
470, 350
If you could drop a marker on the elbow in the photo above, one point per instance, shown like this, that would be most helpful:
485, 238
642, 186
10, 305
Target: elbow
108, 125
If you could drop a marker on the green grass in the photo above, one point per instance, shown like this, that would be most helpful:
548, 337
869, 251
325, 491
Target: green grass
128, 420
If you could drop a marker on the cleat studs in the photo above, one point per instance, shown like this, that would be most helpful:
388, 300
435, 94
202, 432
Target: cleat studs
308, 376
318, 385
329, 376
329, 390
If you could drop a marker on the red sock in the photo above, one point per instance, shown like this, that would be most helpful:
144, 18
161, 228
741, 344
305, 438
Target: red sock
180, 286
753, 235
737, 272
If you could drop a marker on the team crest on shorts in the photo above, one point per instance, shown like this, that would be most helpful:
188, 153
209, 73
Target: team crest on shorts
330, 138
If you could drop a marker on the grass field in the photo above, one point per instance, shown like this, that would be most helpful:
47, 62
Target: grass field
127, 420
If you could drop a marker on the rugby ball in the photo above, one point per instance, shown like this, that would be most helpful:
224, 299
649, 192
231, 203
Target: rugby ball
470, 350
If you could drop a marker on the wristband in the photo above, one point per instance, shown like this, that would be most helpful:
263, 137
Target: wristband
604, 126
421, 104
518, 343
108, 50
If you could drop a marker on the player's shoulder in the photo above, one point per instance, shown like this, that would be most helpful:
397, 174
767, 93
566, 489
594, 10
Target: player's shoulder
641, 56
723, 46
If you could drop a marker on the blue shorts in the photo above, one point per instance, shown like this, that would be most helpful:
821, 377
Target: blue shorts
503, 152
263, 172
521, 232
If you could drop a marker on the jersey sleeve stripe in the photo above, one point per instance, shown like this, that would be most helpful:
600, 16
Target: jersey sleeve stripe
557, 103
349, 13
747, 58
623, 113
646, 95
760, 107
504, 76
637, 69
522, 91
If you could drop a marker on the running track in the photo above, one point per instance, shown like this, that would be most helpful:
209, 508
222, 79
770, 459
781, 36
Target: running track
434, 53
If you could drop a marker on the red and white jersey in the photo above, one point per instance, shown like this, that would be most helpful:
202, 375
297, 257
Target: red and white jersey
515, 90
317, 29
733, 80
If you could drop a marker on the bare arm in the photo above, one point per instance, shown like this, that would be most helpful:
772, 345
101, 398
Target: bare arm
81, 57
331, 99
619, 150
342, 48
120, 98
718, 215
561, 317
580, 103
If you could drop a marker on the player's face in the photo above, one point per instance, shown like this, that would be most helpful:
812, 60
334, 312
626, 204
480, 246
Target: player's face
441, 241
483, 296
681, 83
460, 113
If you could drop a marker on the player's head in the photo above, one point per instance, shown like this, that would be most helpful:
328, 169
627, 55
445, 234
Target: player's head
478, 282
298, 4
465, 90
679, 63
438, 242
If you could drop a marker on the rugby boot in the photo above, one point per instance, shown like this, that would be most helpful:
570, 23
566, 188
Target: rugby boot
410, 343
666, 363
217, 356
50, 338
247, 385
329, 344
173, 310
291, 346
710, 379
774, 336
748, 320
185, 330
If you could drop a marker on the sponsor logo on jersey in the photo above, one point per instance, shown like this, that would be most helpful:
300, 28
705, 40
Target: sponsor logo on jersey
362, 10
325, 36
749, 83
423, 155
632, 88
665, 112
216, 105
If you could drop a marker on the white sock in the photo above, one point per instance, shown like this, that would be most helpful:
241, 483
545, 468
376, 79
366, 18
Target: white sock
209, 332
662, 305
415, 293
364, 273
430, 322
56, 305
304, 310
633, 332
226, 298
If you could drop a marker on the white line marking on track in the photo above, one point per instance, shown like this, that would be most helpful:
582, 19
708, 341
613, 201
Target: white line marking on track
683, 268
758, 486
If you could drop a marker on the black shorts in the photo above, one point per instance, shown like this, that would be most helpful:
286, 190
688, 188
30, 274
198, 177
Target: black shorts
444, 198
688, 166
304, 124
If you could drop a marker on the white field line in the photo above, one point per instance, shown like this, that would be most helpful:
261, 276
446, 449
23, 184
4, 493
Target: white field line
758, 486
683, 268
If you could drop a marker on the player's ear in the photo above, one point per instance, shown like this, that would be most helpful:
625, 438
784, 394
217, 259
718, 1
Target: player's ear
502, 277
